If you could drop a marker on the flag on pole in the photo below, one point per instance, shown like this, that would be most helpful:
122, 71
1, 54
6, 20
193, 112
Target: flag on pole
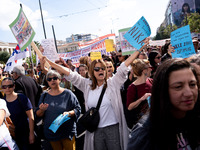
16, 58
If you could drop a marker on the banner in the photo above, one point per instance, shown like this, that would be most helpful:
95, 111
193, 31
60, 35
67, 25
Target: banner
22, 30
49, 49
109, 45
126, 47
182, 42
138, 33
16, 58
98, 46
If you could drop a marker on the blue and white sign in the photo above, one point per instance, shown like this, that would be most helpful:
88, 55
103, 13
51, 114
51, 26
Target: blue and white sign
58, 122
138, 33
181, 40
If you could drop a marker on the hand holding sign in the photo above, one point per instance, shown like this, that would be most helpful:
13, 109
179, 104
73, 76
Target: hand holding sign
182, 42
138, 33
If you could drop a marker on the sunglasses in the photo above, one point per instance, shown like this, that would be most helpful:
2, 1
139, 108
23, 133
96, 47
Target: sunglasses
119, 55
109, 67
54, 78
7, 86
158, 57
98, 68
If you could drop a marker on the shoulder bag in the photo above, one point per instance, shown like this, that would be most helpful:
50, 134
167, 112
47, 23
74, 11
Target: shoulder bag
90, 119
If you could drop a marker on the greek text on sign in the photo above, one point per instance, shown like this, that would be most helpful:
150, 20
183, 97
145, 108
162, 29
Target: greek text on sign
138, 33
181, 40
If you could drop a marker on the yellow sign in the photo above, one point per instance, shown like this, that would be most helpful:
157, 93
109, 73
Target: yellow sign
95, 55
109, 45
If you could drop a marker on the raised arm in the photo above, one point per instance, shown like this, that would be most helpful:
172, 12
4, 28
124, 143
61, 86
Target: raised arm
130, 59
58, 67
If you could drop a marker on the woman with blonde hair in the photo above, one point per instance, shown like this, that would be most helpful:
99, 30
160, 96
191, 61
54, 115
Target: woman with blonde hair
139, 91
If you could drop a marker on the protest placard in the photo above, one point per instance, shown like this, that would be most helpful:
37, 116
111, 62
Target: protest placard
109, 45
126, 47
138, 33
181, 40
49, 49
22, 30
58, 122
39, 54
95, 55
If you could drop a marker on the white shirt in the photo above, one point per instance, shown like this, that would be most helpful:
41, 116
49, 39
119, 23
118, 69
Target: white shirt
107, 115
4, 133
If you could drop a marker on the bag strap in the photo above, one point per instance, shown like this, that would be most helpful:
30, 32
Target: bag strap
101, 97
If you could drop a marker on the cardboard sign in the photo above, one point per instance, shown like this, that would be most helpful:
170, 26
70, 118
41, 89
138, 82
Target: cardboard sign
181, 40
22, 30
49, 49
95, 55
138, 33
109, 45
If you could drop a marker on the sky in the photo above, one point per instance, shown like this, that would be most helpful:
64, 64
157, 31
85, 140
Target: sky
97, 17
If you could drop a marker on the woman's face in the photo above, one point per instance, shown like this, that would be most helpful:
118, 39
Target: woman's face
99, 72
82, 71
185, 8
157, 59
53, 81
7, 87
142, 55
147, 71
120, 57
109, 68
183, 91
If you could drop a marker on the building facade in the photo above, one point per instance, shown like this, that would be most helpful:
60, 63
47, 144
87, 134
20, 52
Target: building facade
7, 47
80, 37
177, 10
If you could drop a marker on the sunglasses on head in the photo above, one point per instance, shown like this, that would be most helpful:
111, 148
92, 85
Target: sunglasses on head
7, 86
98, 68
54, 78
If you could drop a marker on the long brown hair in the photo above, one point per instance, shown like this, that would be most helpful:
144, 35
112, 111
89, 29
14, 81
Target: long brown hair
91, 72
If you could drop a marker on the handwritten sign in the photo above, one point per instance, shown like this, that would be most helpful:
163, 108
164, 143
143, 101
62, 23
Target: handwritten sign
58, 122
181, 40
109, 45
22, 30
49, 49
138, 33
95, 55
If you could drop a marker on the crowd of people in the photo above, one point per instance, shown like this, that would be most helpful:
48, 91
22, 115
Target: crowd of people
151, 102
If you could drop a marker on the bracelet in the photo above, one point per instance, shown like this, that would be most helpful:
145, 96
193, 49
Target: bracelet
139, 51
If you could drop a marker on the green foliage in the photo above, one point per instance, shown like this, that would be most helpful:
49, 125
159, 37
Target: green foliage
164, 33
194, 21
4, 56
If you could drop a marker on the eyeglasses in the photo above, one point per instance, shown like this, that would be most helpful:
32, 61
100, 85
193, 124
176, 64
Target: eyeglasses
98, 68
158, 57
54, 78
7, 86
109, 67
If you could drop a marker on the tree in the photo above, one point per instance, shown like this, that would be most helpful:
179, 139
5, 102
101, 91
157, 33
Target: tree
164, 32
194, 21
4, 56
